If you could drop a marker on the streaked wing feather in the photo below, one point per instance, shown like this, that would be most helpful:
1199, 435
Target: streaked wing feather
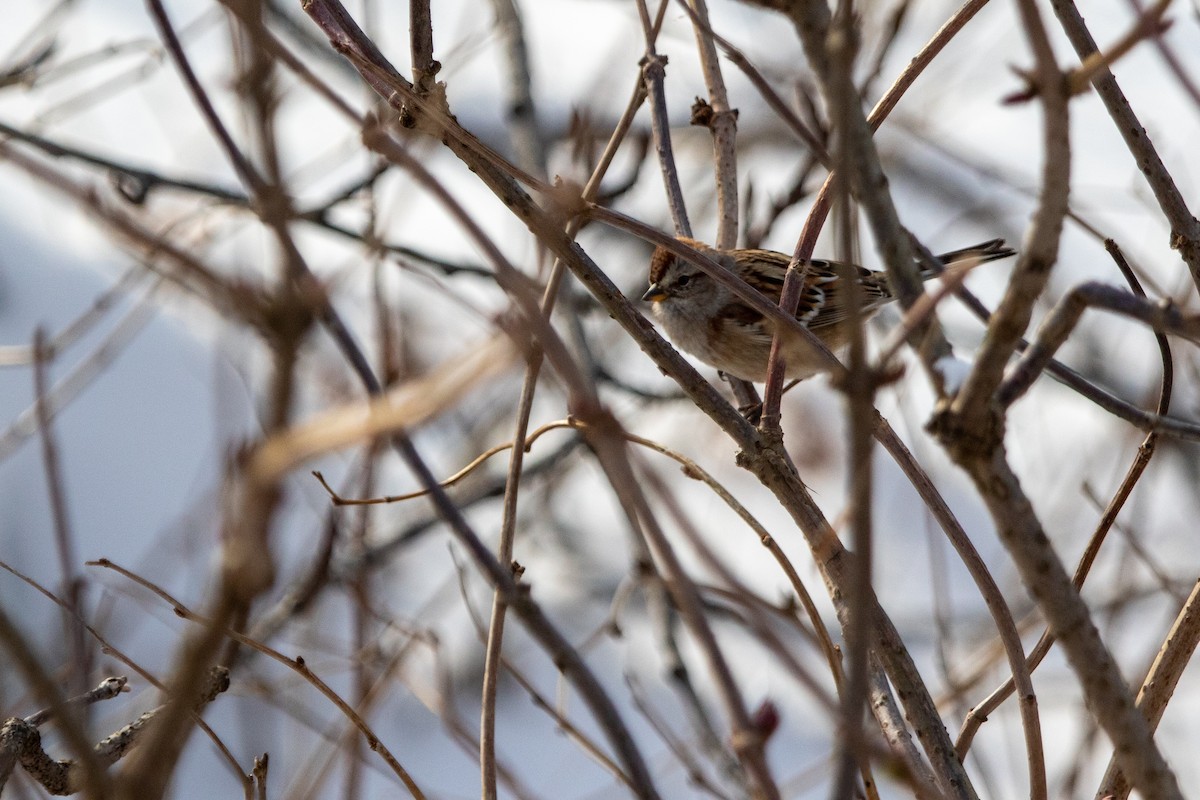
821, 303
824, 304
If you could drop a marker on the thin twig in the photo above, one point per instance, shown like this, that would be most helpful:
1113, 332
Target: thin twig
64, 538
1160, 684
1185, 228
653, 73
721, 120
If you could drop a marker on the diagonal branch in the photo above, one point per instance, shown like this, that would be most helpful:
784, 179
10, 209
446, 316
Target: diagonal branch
1063, 318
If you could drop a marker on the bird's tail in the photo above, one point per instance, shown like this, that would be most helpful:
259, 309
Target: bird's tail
977, 254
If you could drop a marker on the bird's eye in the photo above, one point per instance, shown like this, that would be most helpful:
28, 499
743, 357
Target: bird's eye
683, 280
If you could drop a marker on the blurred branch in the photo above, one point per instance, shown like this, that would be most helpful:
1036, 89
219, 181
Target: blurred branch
524, 132
61, 394
405, 405
244, 300
1149, 25
694, 767
135, 184
237, 159
64, 537
858, 386
297, 665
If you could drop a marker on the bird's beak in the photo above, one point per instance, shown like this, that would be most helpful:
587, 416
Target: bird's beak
654, 294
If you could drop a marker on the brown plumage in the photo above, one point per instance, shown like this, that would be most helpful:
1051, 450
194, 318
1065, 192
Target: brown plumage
712, 323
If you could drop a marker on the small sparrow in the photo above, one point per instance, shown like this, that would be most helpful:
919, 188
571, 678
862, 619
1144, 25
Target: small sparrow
712, 323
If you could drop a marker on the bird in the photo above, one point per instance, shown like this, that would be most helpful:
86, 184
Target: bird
707, 319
